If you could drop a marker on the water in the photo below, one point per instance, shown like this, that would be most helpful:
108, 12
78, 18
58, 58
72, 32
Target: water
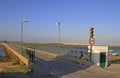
114, 51
58, 50
2, 51
65, 50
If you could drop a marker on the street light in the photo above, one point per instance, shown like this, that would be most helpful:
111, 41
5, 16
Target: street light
58, 25
24, 20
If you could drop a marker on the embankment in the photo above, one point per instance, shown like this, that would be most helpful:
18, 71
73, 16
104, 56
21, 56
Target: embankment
15, 55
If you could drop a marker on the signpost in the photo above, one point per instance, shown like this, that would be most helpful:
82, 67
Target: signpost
91, 40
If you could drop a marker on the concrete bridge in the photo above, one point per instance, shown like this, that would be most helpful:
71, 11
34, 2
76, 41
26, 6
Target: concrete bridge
48, 65
39, 68
15, 55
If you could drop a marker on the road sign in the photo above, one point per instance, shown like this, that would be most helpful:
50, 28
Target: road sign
92, 41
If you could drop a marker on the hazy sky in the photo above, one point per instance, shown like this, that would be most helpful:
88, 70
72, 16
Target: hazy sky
75, 17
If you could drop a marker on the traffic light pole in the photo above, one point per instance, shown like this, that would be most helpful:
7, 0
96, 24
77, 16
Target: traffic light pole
91, 40
90, 51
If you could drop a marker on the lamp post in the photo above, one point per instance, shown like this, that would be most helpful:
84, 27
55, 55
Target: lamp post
24, 20
58, 25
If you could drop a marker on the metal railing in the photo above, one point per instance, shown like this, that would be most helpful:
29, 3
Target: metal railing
19, 49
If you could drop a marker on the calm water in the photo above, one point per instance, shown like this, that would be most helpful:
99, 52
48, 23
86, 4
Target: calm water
114, 51
65, 50
60, 50
2, 52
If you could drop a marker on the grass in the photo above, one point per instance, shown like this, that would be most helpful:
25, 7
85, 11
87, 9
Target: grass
6, 65
4, 59
55, 44
16, 68
62, 45
15, 62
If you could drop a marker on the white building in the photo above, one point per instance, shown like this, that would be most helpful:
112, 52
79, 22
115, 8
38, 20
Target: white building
99, 55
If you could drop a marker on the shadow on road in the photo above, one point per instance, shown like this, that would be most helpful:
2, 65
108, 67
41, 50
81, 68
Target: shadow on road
63, 65
16, 75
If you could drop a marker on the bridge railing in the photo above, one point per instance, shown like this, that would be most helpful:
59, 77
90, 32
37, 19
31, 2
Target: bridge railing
19, 49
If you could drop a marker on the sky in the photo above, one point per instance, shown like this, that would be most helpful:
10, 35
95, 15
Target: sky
75, 17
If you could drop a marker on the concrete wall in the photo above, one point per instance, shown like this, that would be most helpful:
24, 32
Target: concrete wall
95, 56
15, 55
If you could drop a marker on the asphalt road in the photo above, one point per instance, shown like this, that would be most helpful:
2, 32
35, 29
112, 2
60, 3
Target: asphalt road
66, 69
59, 66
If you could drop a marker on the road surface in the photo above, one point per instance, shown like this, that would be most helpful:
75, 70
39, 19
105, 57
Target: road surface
66, 69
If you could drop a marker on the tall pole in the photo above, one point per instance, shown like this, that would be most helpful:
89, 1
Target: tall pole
59, 34
22, 32
91, 41
21, 36
58, 24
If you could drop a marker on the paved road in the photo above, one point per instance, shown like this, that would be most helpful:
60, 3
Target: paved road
66, 69
58, 66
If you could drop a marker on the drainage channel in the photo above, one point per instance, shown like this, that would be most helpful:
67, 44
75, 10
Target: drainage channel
2, 51
3, 55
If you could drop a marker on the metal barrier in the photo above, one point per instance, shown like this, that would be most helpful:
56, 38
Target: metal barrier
19, 49
31, 54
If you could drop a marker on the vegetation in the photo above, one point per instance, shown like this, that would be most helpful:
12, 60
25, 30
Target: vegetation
7, 65
15, 62
54, 44
114, 46
62, 45
16, 68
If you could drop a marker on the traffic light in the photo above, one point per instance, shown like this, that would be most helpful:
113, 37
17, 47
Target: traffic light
91, 32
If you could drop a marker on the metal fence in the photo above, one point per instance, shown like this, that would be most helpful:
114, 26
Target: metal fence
29, 54
19, 49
